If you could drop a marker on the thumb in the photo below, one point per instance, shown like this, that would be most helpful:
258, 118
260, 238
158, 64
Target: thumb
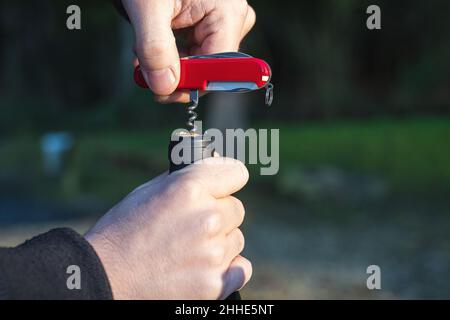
221, 176
155, 43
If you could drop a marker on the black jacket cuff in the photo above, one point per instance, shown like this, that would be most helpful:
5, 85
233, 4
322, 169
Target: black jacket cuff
40, 269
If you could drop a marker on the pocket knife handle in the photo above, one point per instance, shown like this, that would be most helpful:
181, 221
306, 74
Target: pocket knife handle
197, 72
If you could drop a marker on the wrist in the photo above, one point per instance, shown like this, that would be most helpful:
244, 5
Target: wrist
112, 265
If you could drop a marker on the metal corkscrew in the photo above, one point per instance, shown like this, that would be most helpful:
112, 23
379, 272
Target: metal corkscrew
194, 95
225, 72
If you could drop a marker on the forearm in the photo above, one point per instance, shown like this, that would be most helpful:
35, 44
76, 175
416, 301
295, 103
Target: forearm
37, 269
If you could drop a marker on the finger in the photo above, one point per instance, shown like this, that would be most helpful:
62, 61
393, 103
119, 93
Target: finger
233, 213
249, 23
221, 30
237, 276
214, 35
155, 44
179, 96
235, 244
221, 176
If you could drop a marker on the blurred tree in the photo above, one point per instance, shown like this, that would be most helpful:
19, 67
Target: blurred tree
325, 63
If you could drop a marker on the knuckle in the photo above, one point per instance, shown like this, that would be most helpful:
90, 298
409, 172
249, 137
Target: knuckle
216, 256
240, 209
240, 170
251, 15
242, 6
189, 187
238, 7
152, 48
212, 224
240, 240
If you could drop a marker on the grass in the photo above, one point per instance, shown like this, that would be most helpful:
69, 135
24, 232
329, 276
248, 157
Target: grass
410, 154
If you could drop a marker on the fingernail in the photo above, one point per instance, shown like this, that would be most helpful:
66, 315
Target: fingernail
160, 81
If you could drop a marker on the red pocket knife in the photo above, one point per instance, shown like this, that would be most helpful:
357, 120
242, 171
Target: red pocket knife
229, 72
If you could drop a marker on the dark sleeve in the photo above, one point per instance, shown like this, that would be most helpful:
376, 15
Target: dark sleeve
39, 269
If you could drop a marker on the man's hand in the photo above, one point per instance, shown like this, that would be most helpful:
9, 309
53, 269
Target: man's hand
208, 26
177, 236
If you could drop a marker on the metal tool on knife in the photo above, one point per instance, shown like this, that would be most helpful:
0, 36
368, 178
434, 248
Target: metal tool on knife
224, 72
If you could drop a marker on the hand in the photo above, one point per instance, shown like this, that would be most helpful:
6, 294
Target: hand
208, 26
177, 236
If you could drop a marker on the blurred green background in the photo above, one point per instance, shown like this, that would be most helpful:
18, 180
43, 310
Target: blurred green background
364, 119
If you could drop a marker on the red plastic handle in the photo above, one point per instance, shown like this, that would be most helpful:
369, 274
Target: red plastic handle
196, 73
